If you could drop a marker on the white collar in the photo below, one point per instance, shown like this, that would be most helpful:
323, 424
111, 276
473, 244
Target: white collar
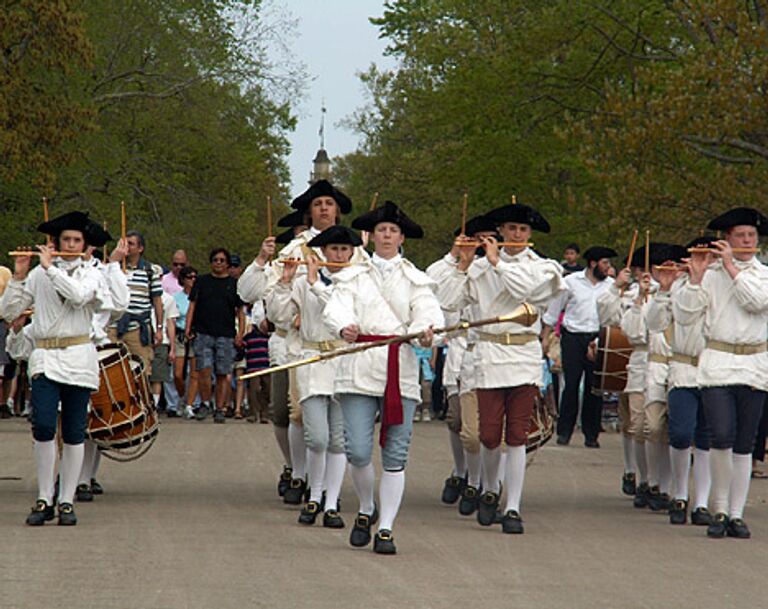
386, 265
313, 232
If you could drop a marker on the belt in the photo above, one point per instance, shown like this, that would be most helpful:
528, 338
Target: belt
640, 348
457, 334
281, 333
323, 345
680, 358
506, 338
658, 358
61, 342
735, 349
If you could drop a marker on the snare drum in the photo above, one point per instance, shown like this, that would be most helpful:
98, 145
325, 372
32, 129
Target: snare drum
144, 428
117, 404
613, 351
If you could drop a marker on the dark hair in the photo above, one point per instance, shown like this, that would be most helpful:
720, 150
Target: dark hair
574, 247
138, 235
186, 272
220, 250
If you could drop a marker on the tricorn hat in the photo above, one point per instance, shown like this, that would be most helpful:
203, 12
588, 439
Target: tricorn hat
322, 188
521, 214
389, 212
336, 234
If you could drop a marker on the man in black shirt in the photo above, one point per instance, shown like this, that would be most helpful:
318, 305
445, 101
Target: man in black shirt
213, 307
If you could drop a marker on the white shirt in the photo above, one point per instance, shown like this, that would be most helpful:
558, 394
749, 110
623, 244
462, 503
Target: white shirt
66, 297
499, 290
579, 299
735, 311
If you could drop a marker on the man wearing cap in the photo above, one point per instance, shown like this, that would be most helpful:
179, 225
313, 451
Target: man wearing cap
728, 286
382, 297
463, 417
578, 330
685, 412
507, 356
323, 424
63, 365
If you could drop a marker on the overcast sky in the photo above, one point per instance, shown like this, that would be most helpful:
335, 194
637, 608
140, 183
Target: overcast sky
335, 41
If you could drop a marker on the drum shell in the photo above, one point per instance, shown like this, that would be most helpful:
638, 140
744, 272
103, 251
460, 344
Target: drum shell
612, 357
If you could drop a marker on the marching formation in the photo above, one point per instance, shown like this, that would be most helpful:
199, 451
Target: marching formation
691, 324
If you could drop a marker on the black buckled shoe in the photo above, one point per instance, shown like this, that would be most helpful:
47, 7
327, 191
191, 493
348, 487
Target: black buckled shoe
83, 493
384, 543
486, 510
592, 443
511, 523
657, 500
678, 513
332, 520
563, 440
701, 517
361, 531
96, 488
67, 516
628, 483
294, 494
309, 513
738, 528
470, 499
452, 490
40, 514
718, 527
641, 496
285, 480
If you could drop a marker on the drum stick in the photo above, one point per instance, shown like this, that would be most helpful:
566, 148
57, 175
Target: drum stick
629, 256
104, 251
45, 217
269, 216
647, 257
464, 214
374, 201
514, 200
123, 228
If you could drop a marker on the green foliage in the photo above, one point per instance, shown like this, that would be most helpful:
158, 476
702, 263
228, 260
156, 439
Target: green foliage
186, 130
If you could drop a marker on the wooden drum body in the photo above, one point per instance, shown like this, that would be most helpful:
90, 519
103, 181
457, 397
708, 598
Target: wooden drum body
613, 352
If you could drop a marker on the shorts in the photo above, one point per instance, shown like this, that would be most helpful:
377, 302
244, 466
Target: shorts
161, 366
8, 371
217, 352
181, 346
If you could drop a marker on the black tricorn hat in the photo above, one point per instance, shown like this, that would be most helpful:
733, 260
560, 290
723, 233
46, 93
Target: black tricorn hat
660, 253
95, 234
389, 212
739, 216
74, 220
295, 218
478, 224
521, 214
598, 252
703, 241
322, 188
337, 234
285, 237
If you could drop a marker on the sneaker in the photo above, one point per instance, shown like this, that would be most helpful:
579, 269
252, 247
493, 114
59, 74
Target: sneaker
309, 513
202, 412
738, 528
27, 410
83, 493
219, 416
384, 543
628, 484
511, 523
678, 513
285, 480
333, 520
452, 490
294, 494
67, 516
718, 527
641, 496
470, 499
96, 488
361, 531
417, 416
486, 511
40, 514
425, 416
189, 412
701, 517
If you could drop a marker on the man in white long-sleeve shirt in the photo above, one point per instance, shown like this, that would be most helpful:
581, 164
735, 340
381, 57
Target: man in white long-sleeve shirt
63, 365
732, 295
578, 330
507, 356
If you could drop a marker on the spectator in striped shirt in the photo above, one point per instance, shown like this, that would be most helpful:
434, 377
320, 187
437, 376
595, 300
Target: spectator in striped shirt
257, 358
135, 327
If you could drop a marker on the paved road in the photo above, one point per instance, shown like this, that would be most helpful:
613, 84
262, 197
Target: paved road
196, 523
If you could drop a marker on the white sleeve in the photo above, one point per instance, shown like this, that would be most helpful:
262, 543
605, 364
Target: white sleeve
78, 292
252, 284
609, 306
751, 291
281, 306
340, 310
690, 304
659, 312
534, 283
633, 324
15, 300
453, 290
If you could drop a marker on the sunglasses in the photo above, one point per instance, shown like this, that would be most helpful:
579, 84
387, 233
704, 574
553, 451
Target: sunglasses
219, 260
191, 277
178, 263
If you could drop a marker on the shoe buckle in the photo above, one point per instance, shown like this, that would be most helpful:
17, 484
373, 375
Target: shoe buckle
40, 506
65, 509
385, 535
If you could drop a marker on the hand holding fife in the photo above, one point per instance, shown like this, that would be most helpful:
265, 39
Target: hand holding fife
312, 269
46, 255
645, 287
267, 251
21, 265
289, 270
667, 277
491, 249
350, 333
723, 250
697, 266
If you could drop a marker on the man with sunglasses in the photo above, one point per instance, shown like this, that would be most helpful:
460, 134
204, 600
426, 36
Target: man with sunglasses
213, 307
170, 281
